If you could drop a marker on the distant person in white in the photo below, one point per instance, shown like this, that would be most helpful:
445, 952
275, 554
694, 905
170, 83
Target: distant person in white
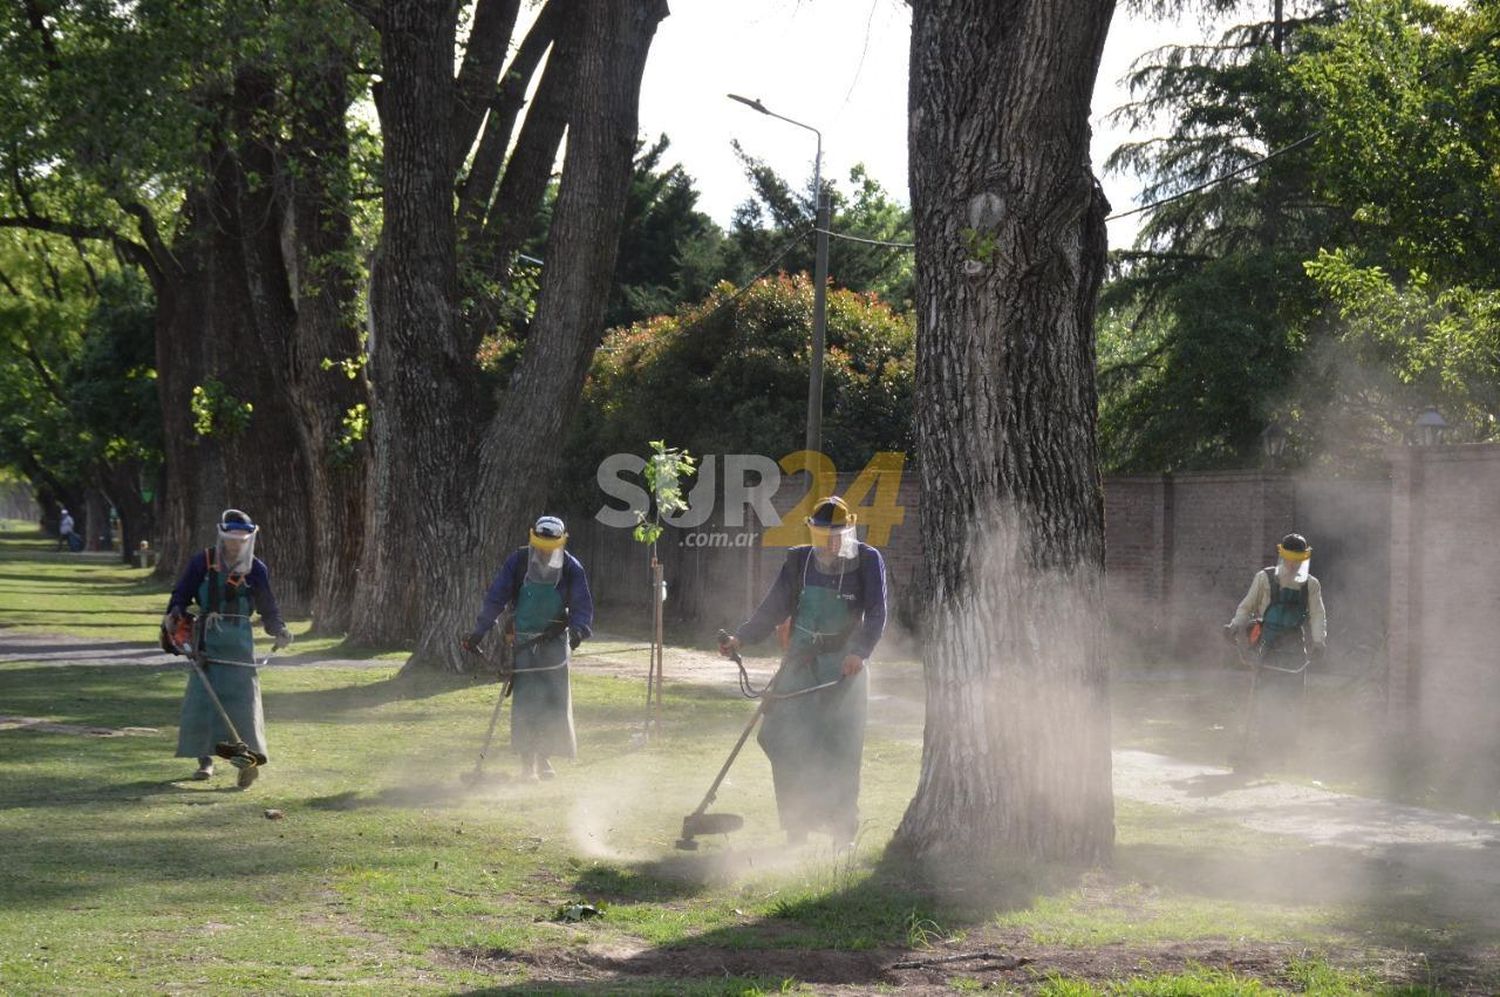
1286, 626
64, 529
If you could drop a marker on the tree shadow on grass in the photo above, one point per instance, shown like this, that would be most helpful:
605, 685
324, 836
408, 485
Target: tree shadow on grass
414, 796
843, 926
1213, 783
185, 856
318, 704
123, 695
123, 586
679, 875
1436, 898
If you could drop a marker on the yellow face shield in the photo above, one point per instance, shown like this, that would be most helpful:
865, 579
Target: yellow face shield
1294, 555
548, 544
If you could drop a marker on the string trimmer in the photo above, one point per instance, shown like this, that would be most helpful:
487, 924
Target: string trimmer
188, 639
507, 679
1250, 657
701, 822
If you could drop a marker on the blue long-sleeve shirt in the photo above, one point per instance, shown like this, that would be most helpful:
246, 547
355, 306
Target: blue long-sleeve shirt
258, 581
573, 585
781, 601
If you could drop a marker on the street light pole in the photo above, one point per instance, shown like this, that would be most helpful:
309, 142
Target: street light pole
819, 330
820, 282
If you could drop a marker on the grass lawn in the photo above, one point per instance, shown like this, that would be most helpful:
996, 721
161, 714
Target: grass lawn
384, 872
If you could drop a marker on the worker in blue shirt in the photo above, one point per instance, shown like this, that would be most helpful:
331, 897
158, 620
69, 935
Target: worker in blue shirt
833, 593
553, 613
228, 582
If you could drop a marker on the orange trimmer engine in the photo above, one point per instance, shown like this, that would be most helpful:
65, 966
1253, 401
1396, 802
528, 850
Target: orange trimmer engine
182, 633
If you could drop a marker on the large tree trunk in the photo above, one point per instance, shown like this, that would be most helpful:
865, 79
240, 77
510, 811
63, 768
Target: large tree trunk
443, 507
297, 269
423, 385
328, 328
522, 445
122, 483
259, 295
1010, 252
192, 487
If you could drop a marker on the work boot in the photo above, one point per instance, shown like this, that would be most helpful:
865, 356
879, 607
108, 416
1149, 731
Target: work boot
205, 768
528, 768
544, 768
247, 776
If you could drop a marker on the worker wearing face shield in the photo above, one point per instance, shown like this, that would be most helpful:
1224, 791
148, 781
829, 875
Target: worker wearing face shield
547, 591
1283, 622
832, 591
229, 584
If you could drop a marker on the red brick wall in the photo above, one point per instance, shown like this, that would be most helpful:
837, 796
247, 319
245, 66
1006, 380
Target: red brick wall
1408, 566
1221, 528
1137, 557
1445, 595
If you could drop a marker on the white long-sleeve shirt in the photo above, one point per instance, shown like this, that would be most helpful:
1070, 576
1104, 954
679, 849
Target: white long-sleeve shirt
1259, 597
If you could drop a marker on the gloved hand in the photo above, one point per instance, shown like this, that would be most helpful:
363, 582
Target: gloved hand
729, 644
575, 638
169, 629
283, 639
1231, 633
470, 642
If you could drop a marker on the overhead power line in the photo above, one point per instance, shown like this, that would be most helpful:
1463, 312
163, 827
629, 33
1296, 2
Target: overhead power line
868, 242
1239, 171
1217, 180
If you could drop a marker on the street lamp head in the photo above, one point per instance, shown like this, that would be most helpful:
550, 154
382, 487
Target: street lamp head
1273, 440
1430, 427
756, 104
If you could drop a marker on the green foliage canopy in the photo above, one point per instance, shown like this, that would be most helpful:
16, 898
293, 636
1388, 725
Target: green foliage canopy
729, 375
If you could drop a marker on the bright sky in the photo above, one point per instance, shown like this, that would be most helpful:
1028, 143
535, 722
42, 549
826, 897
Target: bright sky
838, 65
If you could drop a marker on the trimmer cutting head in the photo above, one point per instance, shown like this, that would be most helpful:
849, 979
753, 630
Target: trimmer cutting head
239, 754
695, 825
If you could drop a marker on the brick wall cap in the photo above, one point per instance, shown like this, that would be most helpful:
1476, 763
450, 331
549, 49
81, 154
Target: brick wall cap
1447, 453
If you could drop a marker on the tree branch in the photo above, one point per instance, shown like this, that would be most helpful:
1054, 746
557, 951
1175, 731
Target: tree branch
133, 251
52, 273
371, 10
37, 19
530, 166
29, 351
157, 251
484, 56
88, 266
479, 186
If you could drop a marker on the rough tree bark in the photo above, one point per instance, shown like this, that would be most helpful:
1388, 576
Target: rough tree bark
449, 495
257, 291
1010, 252
254, 289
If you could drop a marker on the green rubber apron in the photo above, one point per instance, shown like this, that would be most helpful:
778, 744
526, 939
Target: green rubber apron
541, 719
226, 638
815, 742
1281, 692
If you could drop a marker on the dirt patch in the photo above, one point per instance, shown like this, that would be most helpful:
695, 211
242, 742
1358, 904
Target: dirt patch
49, 727
997, 959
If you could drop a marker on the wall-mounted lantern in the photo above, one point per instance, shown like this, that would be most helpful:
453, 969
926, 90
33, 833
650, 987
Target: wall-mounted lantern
1430, 429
